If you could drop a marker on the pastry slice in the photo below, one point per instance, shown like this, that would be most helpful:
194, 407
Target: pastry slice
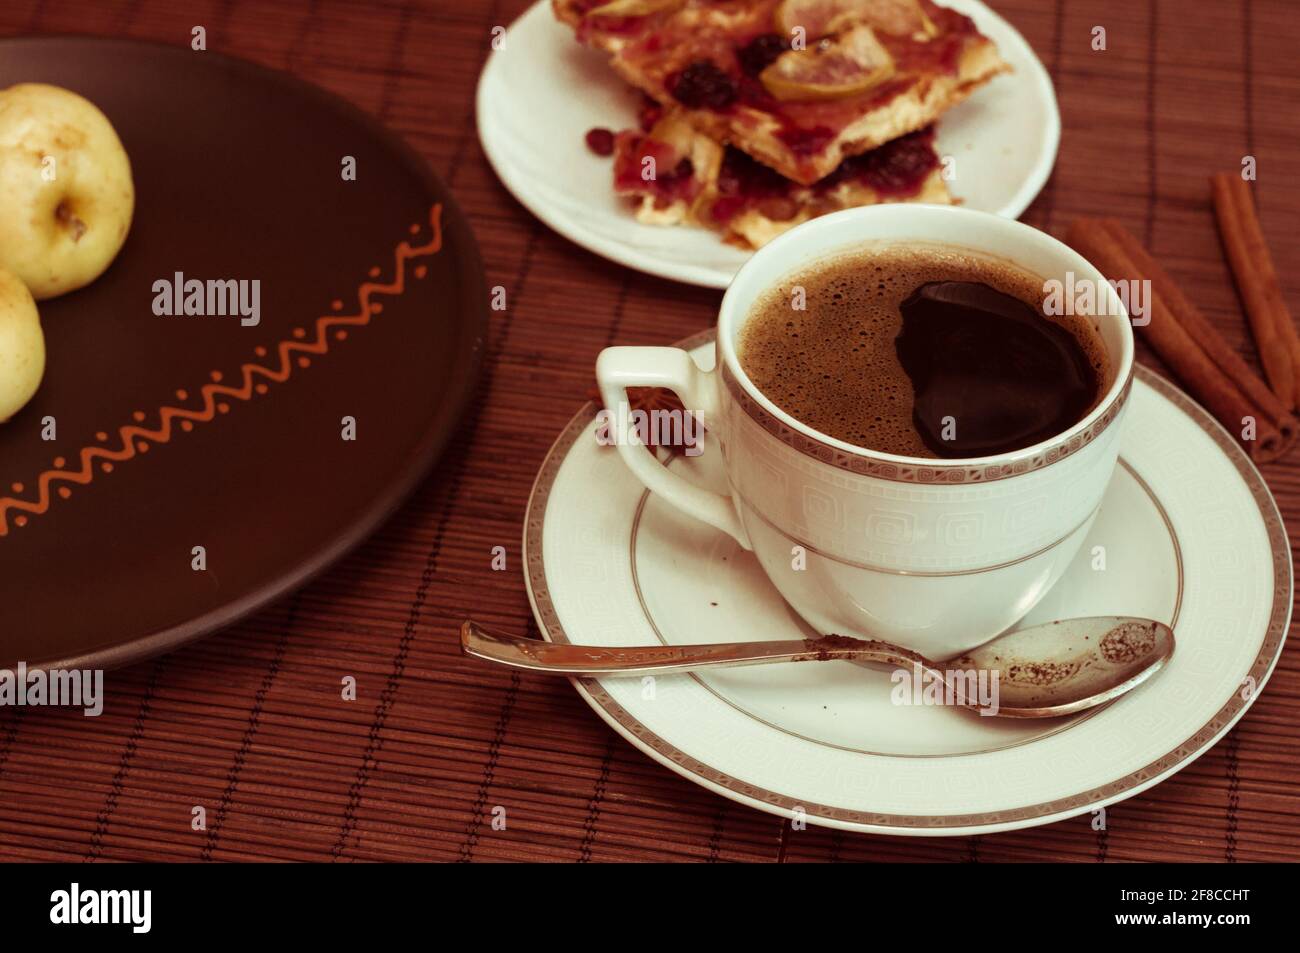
676, 175
799, 85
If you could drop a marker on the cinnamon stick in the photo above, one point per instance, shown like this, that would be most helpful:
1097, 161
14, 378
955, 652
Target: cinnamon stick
1196, 353
1204, 333
1257, 284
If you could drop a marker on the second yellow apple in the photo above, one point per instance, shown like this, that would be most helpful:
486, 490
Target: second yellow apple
22, 345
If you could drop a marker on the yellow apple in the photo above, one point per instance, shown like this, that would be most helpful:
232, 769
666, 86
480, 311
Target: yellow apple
66, 196
22, 345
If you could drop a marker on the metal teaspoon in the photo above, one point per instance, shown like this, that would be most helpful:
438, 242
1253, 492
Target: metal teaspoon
1040, 672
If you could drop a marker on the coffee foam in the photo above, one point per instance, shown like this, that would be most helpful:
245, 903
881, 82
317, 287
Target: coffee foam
833, 365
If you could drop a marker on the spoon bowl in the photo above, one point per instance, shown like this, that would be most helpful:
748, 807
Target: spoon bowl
1067, 666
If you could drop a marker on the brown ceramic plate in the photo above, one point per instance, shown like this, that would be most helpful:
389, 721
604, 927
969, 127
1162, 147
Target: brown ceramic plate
215, 434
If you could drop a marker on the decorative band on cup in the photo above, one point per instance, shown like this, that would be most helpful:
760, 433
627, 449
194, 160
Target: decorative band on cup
893, 571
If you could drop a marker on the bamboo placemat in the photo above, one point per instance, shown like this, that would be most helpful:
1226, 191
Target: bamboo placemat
250, 725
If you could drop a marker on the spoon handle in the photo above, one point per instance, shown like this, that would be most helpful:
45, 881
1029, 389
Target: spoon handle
552, 658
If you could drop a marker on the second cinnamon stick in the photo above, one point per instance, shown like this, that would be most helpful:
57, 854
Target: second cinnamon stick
1261, 292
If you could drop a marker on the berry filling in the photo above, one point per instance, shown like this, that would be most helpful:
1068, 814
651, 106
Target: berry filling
649, 113
896, 169
600, 141
899, 167
761, 52
703, 85
646, 166
806, 142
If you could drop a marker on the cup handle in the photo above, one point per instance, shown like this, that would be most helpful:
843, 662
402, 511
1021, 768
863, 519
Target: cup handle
619, 368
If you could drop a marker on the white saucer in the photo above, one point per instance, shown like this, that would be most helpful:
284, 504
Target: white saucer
541, 92
1191, 536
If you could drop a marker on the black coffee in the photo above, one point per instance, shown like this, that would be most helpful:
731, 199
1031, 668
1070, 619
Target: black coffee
923, 352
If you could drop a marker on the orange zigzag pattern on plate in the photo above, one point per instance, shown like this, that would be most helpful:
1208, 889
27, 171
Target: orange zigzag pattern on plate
136, 439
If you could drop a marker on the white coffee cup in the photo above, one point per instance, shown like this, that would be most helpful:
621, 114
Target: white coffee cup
935, 555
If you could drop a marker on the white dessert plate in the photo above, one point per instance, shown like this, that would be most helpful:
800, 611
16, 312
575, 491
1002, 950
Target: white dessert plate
1188, 534
540, 92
